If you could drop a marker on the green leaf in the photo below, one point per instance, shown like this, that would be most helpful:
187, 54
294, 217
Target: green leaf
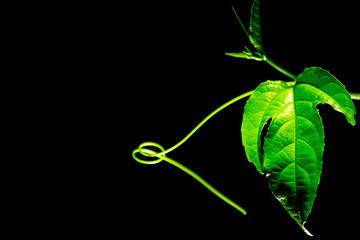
255, 28
335, 92
293, 147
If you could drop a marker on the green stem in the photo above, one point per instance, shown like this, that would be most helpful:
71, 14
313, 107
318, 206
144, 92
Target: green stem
280, 69
242, 25
355, 96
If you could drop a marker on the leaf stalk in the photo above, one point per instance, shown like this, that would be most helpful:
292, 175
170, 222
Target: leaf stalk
280, 69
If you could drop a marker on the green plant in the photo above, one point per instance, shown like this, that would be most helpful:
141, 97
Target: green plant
291, 153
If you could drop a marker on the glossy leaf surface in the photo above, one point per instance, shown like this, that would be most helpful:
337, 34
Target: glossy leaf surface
293, 147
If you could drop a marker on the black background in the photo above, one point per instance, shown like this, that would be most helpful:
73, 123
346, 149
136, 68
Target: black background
101, 78
173, 73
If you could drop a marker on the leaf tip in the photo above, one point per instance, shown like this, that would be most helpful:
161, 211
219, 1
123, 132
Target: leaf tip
350, 117
306, 231
353, 123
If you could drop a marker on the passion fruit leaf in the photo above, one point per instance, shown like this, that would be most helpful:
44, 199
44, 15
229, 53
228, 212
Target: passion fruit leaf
293, 147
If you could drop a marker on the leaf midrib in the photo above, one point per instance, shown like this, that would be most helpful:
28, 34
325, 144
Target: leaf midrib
295, 141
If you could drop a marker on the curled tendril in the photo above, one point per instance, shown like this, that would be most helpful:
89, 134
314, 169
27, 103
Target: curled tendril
155, 153
149, 153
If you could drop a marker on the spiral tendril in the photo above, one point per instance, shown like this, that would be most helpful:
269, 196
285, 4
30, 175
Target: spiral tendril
149, 153
154, 157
